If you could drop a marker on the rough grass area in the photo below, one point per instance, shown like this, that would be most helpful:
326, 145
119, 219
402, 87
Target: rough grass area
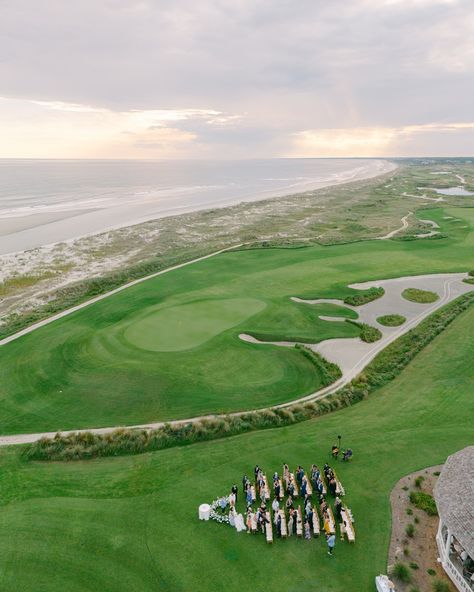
130, 523
393, 320
364, 297
421, 296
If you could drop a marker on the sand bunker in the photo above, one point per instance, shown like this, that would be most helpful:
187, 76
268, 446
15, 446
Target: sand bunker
352, 354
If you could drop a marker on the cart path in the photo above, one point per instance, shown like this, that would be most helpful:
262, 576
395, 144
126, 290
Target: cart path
69, 311
404, 226
450, 287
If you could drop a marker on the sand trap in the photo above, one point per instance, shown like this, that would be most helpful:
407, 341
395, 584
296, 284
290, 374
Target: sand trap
352, 354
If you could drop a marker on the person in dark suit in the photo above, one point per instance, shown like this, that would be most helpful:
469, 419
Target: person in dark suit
234, 490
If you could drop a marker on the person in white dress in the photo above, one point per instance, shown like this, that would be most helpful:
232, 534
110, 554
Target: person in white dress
239, 523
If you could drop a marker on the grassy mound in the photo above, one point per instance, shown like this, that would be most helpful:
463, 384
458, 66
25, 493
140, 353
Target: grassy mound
393, 320
363, 297
421, 296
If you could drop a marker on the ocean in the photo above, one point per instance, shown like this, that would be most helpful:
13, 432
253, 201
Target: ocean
48, 201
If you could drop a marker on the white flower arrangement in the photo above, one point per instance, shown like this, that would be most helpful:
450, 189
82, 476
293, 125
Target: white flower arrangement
220, 518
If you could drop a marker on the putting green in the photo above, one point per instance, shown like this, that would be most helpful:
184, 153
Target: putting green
186, 326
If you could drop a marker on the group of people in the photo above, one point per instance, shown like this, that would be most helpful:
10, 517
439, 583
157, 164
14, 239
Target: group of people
346, 454
289, 520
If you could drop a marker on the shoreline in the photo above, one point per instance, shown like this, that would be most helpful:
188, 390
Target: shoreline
66, 229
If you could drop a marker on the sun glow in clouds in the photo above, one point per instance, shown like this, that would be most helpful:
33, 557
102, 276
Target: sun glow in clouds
57, 129
367, 141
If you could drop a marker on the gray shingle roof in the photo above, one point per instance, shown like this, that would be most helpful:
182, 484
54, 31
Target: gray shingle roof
454, 495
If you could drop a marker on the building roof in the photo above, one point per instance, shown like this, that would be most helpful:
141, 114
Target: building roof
454, 495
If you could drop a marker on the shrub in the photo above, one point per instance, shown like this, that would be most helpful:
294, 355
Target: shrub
419, 481
424, 501
406, 551
393, 320
415, 589
416, 520
431, 572
363, 297
421, 296
401, 572
414, 565
410, 530
409, 511
368, 333
440, 586
328, 371
436, 473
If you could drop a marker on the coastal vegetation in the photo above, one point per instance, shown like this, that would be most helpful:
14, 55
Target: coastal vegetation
94, 265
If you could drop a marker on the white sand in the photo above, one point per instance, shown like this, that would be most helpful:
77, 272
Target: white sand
29, 232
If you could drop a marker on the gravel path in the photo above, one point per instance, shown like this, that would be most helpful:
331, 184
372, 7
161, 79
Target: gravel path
352, 355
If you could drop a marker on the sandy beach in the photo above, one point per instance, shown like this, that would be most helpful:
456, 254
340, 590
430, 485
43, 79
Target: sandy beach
23, 229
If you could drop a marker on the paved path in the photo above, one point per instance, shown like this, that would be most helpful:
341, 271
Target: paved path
450, 286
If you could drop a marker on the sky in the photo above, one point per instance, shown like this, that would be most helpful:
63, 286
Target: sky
236, 79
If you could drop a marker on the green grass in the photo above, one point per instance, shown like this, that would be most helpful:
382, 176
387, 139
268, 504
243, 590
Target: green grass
84, 371
421, 296
130, 523
392, 320
189, 325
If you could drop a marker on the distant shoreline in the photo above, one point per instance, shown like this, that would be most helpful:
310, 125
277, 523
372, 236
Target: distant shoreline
44, 228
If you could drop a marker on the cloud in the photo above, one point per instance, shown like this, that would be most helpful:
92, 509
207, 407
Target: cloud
240, 78
375, 141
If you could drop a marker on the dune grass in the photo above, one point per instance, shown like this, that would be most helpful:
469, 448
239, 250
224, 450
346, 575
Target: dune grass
130, 523
85, 371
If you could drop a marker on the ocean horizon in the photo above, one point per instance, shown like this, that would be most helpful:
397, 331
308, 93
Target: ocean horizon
46, 201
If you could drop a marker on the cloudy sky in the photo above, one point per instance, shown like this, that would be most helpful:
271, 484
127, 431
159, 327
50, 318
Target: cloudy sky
236, 78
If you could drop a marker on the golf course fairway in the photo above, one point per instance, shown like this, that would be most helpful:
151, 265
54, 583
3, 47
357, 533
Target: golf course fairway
130, 523
169, 348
